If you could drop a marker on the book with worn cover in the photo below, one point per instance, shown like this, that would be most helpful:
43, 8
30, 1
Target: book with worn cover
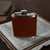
4, 17
29, 43
4, 7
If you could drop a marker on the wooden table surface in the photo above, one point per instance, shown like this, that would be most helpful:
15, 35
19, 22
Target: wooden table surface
43, 32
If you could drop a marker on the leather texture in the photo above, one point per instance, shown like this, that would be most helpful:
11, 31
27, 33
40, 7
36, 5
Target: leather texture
24, 26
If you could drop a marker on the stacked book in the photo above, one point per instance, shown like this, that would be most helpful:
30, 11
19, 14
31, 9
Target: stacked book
6, 8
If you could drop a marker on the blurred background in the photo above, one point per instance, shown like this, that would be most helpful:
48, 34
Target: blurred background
41, 7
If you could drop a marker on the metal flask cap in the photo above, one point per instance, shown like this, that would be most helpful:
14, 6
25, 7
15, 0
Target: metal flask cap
24, 13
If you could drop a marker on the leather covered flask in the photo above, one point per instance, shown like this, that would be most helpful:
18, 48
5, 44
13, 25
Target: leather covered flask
24, 24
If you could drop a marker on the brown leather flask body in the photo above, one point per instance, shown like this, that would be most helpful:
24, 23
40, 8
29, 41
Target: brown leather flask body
24, 26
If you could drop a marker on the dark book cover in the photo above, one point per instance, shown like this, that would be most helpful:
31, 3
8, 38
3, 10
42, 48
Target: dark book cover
4, 17
4, 7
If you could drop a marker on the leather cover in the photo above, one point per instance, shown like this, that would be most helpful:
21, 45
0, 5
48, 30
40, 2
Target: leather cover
24, 26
